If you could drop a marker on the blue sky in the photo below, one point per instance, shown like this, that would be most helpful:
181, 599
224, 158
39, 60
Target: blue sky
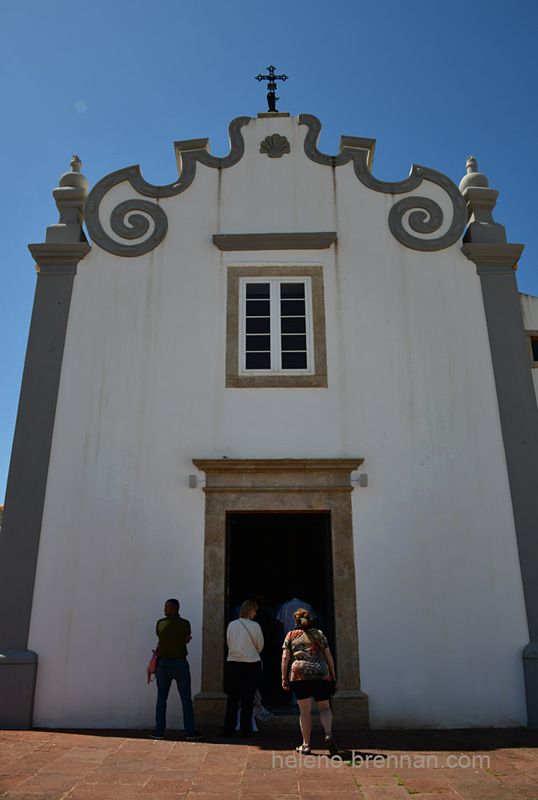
117, 83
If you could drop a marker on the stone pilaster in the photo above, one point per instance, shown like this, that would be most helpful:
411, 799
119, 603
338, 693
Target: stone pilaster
496, 261
56, 261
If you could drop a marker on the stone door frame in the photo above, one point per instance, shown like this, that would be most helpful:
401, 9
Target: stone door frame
280, 486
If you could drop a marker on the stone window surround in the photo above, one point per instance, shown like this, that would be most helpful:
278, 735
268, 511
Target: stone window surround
530, 335
319, 376
280, 486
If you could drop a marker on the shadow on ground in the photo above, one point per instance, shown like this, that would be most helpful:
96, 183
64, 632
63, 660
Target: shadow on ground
362, 743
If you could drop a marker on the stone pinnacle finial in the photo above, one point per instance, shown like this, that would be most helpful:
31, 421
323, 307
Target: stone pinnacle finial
473, 176
74, 178
470, 164
70, 196
480, 200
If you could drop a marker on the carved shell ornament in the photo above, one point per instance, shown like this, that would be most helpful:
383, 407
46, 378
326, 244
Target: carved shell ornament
415, 221
275, 146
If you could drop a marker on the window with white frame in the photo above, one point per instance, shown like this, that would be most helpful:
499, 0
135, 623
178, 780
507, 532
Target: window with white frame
275, 331
275, 328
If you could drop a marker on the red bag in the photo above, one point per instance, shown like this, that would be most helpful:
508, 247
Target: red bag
152, 666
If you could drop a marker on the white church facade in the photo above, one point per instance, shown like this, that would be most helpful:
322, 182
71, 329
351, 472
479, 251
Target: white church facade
277, 376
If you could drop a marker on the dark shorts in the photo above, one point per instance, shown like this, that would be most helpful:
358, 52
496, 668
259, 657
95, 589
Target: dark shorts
319, 690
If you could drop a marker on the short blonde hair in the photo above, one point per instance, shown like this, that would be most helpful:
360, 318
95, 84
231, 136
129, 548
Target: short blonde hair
247, 607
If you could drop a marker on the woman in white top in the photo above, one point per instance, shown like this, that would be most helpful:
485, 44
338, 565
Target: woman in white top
243, 667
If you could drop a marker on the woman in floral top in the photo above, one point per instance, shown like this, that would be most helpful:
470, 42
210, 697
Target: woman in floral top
308, 671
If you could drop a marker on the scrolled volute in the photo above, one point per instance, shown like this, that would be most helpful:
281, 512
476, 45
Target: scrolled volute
128, 224
134, 227
425, 215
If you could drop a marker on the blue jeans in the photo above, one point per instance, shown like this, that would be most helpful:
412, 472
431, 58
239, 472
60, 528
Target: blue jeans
171, 669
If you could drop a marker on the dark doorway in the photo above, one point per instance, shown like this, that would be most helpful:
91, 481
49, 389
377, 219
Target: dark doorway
274, 557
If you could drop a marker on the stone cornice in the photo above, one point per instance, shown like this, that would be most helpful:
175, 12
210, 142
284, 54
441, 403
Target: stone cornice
58, 258
493, 257
277, 474
310, 240
268, 464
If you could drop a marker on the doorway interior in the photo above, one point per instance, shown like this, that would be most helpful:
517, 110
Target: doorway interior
274, 557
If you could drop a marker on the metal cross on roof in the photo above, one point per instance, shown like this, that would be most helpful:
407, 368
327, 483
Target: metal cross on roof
271, 86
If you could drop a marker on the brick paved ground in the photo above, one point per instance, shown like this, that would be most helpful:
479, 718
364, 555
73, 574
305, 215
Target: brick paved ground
381, 765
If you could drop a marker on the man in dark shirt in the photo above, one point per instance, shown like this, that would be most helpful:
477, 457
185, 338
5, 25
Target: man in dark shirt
174, 632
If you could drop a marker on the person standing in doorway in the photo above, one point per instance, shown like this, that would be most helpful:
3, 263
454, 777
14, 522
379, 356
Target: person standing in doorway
243, 667
174, 633
308, 671
287, 610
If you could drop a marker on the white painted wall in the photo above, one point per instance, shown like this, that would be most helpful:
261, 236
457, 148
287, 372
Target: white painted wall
440, 605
